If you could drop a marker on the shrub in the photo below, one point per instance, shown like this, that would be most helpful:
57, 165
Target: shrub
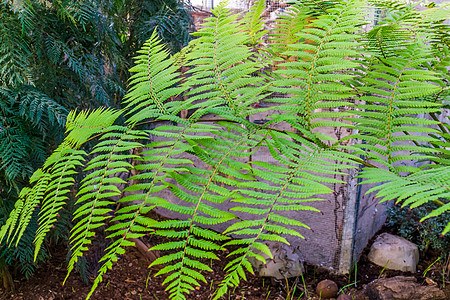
427, 234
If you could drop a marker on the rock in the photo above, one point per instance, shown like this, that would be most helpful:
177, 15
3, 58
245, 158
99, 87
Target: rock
286, 262
327, 289
402, 288
360, 294
344, 297
394, 252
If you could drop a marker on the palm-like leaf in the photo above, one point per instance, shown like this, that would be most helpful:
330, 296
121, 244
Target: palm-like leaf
393, 95
320, 68
413, 190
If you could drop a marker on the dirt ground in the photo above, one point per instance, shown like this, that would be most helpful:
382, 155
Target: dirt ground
131, 279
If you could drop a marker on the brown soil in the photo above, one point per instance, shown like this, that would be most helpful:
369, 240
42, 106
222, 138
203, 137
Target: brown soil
131, 279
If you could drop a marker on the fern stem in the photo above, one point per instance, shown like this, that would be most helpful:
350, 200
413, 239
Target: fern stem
155, 98
441, 127
362, 162
93, 137
216, 65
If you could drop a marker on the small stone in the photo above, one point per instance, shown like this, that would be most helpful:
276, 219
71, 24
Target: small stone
395, 253
327, 289
344, 297
286, 262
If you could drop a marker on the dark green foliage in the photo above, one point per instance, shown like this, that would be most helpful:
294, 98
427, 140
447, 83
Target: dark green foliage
170, 18
58, 56
426, 234
199, 148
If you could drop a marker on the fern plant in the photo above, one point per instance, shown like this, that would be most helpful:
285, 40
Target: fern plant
193, 154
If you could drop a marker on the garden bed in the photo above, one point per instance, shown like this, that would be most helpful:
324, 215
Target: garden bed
131, 279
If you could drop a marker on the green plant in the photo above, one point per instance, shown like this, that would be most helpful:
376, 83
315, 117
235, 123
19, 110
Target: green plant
443, 278
343, 78
305, 289
342, 290
425, 234
429, 267
56, 56
384, 268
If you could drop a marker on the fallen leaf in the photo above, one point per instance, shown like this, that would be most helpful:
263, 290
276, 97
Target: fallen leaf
430, 281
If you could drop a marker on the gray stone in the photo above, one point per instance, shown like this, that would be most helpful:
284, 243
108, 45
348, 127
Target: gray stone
286, 262
402, 288
394, 252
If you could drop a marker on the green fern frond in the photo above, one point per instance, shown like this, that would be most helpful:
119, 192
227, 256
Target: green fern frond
110, 159
25, 205
287, 27
295, 184
205, 186
254, 24
384, 40
61, 168
315, 77
221, 68
413, 190
85, 124
394, 91
153, 83
158, 163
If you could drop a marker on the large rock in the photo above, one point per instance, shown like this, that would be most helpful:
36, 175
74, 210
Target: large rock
394, 252
286, 262
402, 288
